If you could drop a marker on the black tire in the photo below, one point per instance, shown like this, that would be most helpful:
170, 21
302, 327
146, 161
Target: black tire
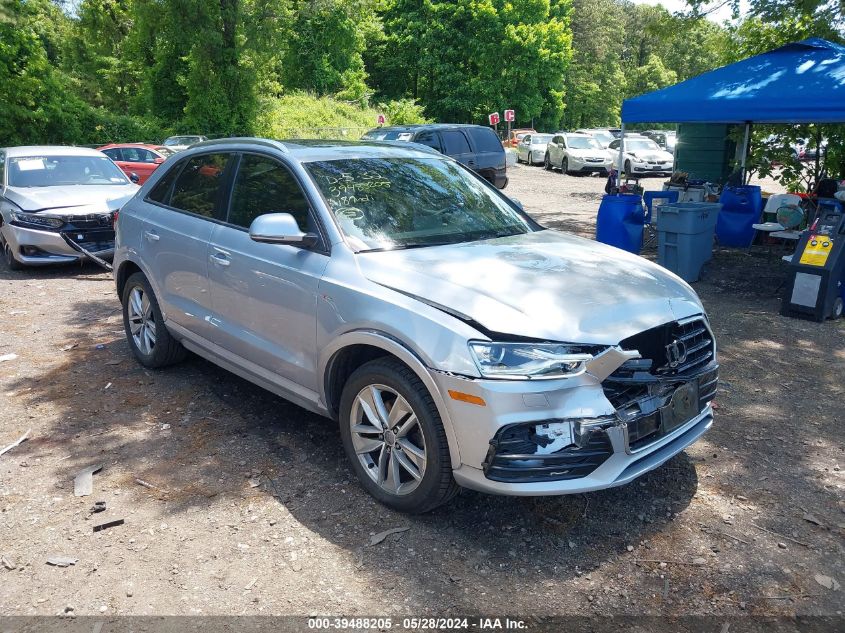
11, 262
564, 165
547, 162
166, 350
836, 312
437, 485
628, 168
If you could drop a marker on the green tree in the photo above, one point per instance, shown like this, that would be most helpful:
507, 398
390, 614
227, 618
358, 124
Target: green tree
324, 53
465, 58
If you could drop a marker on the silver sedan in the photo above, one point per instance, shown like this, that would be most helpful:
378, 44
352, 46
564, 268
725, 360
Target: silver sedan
532, 148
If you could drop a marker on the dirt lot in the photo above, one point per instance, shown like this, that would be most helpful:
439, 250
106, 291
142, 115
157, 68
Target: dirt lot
252, 509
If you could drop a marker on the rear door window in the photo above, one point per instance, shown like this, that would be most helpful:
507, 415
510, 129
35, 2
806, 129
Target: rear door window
485, 140
429, 138
161, 192
113, 153
455, 142
198, 187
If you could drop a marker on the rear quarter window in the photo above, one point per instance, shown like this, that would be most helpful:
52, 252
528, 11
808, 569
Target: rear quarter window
486, 140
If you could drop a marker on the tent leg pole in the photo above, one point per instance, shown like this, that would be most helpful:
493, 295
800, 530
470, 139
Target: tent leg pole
745, 149
621, 163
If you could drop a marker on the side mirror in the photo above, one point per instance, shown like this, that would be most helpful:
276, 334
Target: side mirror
158, 160
279, 228
518, 203
134, 178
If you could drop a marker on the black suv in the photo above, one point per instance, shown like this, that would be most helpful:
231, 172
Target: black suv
475, 146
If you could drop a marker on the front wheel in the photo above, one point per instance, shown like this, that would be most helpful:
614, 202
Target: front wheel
143, 322
547, 163
628, 171
393, 435
564, 166
9, 256
837, 308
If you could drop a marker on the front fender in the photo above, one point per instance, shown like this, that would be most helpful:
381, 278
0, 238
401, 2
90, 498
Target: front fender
389, 344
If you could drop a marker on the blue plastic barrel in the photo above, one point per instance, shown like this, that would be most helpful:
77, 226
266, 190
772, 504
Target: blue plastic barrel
620, 221
741, 209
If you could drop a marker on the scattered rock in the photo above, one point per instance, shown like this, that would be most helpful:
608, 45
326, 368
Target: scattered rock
699, 561
827, 582
7, 563
781, 545
7, 357
630, 548
62, 561
813, 519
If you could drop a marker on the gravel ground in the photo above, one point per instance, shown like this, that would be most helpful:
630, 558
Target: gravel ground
249, 506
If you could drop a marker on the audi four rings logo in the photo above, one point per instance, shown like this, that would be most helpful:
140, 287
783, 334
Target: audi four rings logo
676, 353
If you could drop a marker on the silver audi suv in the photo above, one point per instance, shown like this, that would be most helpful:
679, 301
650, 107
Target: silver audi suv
455, 340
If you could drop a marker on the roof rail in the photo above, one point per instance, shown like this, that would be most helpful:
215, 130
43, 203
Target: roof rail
239, 140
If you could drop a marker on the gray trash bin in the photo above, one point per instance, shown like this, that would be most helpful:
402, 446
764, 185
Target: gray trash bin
685, 236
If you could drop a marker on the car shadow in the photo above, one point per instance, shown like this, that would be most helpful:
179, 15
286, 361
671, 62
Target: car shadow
196, 435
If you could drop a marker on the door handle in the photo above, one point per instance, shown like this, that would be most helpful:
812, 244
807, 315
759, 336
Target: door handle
151, 236
220, 259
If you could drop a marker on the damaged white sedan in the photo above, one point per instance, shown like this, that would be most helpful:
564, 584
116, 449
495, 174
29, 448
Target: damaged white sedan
57, 204
456, 341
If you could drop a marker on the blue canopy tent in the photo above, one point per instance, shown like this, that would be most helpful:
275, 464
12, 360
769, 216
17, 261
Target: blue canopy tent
802, 82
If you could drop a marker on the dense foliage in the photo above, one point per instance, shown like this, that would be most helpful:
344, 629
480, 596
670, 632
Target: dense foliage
90, 71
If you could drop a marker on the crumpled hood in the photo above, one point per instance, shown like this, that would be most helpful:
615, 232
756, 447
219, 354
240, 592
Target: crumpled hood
545, 285
72, 200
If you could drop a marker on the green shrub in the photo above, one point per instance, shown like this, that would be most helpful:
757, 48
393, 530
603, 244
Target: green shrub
301, 115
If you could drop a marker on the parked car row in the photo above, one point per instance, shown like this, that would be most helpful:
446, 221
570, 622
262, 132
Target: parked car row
596, 151
388, 287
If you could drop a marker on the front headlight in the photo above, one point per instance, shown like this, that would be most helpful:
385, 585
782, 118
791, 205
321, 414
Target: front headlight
34, 219
527, 360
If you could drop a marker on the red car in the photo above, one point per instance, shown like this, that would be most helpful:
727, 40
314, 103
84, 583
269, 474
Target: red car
135, 158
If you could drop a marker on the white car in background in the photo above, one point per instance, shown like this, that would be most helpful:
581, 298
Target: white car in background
641, 155
532, 148
576, 153
603, 135
182, 142
58, 203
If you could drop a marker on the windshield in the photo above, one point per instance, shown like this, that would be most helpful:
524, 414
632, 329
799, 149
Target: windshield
633, 145
389, 203
540, 139
182, 140
582, 142
53, 171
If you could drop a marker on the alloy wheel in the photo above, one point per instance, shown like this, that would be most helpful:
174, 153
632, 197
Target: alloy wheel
388, 439
142, 323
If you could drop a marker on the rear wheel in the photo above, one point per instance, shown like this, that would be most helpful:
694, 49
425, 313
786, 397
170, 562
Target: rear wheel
547, 163
148, 337
393, 436
837, 308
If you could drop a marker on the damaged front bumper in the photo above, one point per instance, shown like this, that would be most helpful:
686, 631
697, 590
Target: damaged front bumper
42, 246
598, 430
